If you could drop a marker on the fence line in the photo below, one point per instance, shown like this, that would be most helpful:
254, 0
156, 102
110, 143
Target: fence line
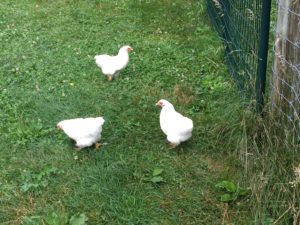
243, 26
244, 29
263, 55
285, 82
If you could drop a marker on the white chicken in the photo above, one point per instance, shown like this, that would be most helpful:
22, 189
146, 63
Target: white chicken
84, 131
112, 65
177, 127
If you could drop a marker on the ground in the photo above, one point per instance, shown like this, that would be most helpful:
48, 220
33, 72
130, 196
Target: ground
47, 74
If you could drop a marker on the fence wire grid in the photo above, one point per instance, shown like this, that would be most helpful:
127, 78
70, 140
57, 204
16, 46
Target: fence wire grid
239, 25
285, 81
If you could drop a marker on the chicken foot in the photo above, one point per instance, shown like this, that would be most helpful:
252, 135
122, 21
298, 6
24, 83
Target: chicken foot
172, 146
110, 77
97, 146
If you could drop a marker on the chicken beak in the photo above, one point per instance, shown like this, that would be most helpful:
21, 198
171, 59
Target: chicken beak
130, 49
157, 104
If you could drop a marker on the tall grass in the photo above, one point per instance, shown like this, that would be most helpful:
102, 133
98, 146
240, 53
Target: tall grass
269, 152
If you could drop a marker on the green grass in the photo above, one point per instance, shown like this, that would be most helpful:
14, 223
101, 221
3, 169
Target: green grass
47, 74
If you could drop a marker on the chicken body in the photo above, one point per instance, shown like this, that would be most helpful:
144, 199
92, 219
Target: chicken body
177, 127
84, 131
112, 65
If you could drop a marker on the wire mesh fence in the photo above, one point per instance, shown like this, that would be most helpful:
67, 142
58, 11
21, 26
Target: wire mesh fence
239, 24
244, 27
285, 82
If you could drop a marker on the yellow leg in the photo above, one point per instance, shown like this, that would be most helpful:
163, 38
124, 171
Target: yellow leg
171, 145
97, 145
110, 77
77, 148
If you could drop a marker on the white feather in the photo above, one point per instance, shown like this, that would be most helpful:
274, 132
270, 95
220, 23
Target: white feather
112, 65
84, 131
177, 127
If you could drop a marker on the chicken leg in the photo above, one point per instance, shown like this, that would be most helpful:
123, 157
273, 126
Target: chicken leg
172, 146
97, 146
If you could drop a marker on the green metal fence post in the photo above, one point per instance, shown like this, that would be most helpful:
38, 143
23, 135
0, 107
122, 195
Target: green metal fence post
224, 20
263, 55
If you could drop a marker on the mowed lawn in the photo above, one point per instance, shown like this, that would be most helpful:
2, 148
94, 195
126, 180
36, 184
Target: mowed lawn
48, 74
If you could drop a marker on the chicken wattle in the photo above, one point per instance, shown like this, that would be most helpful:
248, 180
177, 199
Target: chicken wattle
177, 127
112, 65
